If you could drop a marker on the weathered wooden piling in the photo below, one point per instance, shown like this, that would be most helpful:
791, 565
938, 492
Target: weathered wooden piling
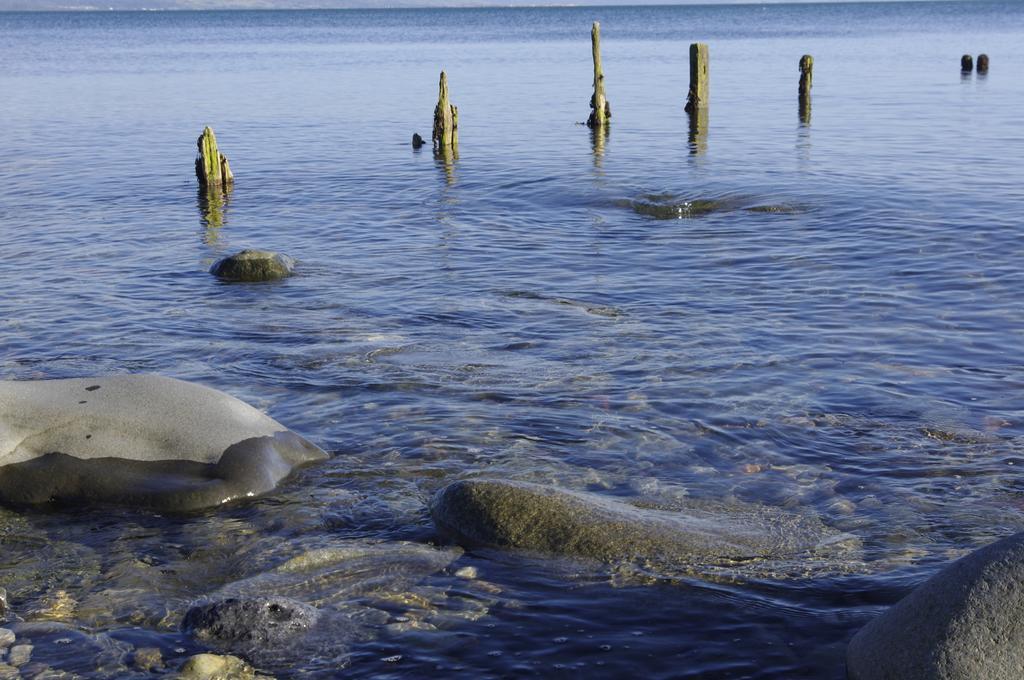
982, 63
806, 81
697, 97
601, 110
446, 118
966, 63
212, 167
806, 75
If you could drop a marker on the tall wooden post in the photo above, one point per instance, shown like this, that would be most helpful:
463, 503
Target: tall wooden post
446, 118
698, 95
602, 111
212, 167
806, 80
806, 75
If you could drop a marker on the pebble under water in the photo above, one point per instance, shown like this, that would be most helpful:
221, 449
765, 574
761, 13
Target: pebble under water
804, 314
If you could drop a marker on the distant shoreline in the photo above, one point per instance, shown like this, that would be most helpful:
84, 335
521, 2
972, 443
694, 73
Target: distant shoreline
11, 7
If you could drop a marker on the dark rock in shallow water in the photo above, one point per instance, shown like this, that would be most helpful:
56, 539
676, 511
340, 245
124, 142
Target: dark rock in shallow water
964, 623
552, 520
669, 208
139, 440
242, 623
253, 266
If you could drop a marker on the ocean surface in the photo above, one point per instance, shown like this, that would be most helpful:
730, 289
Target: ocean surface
597, 312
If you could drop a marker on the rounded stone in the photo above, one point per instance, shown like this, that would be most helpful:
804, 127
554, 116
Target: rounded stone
253, 266
964, 623
966, 63
216, 667
982, 63
139, 440
251, 622
557, 521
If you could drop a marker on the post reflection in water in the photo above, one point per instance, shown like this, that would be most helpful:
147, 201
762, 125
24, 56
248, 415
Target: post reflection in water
804, 110
698, 137
446, 156
598, 141
213, 203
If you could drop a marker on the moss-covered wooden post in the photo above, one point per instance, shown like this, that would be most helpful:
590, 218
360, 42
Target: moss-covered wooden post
601, 110
806, 80
982, 63
212, 167
966, 63
697, 97
806, 75
446, 118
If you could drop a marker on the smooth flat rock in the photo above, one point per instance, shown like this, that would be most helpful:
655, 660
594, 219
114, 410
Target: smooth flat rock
140, 440
964, 623
253, 266
578, 524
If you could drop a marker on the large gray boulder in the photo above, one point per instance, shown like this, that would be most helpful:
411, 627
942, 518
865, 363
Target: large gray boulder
578, 524
141, 440
964, 623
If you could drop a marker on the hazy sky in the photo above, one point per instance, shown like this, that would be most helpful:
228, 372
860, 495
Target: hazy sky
293, 4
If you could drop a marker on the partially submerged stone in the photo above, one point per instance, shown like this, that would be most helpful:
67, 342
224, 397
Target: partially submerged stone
256, 621
663, 207
964, 623
557, 521
253, 266
216, 667
139, 440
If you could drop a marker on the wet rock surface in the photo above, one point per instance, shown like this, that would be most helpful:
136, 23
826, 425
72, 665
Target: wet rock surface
256, 621
557, 521
139, 440
253, 266
961, 624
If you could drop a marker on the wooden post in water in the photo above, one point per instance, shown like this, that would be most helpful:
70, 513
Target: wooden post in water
806, 80
602, 111
966, 63
806, 75
697, 98
982, 63
446, 119
212, 167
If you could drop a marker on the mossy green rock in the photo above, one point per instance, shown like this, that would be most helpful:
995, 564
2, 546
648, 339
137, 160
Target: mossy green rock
578, 524
254, 266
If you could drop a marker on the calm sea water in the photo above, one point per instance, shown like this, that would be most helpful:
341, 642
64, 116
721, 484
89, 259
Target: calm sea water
856, 357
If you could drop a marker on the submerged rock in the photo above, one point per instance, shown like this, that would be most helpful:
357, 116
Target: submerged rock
253, 266
551, 520
666, 207
260, 621
139, 440
963, 623
216, 667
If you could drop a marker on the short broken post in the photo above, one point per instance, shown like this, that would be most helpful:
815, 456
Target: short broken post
212, 167
446, 119
697, 97
966, 63
601, 110
982, 63
806, 80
